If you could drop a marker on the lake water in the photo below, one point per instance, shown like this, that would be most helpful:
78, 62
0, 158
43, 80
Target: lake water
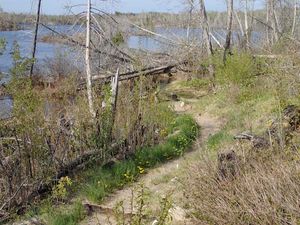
179, 35
47, 51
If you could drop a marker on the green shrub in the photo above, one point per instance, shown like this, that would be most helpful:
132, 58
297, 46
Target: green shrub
118, 39
240, 68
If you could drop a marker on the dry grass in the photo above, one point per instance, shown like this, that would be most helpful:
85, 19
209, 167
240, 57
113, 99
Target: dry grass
265, 191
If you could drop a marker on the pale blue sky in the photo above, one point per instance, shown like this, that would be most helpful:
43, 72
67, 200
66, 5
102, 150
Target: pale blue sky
57, 6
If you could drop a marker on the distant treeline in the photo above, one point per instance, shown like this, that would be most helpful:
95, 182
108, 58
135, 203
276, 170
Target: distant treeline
13, 21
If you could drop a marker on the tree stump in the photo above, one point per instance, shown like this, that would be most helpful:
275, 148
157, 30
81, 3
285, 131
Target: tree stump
227, 165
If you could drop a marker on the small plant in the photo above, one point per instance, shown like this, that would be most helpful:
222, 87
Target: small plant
118, 39
138, 213
165, 206
60, 191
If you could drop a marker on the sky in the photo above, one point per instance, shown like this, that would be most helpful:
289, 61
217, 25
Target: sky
136, 6
58, 6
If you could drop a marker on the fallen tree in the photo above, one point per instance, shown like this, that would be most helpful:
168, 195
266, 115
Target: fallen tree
149, 71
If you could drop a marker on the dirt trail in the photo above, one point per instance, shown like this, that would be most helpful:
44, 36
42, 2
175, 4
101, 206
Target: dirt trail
164, 179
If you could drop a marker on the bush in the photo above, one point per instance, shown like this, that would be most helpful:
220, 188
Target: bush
240, 68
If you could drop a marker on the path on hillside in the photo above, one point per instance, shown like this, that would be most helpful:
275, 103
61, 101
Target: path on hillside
164, 179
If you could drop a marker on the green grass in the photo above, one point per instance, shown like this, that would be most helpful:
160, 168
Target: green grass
71, 217
197, 83
214, 141
102, 181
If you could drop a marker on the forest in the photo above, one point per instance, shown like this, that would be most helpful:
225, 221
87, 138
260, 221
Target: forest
189, 117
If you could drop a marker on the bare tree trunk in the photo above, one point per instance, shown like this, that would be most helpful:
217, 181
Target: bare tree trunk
206, 29
35, 36
191, 5
295, 18
240, 23
268, 20
206, 35
273, 21
229, 28
114, 99
277, 24
87, 60
246, 24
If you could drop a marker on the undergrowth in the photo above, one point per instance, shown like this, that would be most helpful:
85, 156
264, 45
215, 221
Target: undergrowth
100, 182
250, 95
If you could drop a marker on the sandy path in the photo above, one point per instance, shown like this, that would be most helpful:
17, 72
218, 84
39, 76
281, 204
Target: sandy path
164, 179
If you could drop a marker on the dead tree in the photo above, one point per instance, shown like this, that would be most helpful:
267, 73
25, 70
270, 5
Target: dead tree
229, 29
206, 36
294, 18
87, 60
191, 8
247, 31
272, 15
114, 99
35, 36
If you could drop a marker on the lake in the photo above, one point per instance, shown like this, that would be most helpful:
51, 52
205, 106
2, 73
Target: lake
47, 51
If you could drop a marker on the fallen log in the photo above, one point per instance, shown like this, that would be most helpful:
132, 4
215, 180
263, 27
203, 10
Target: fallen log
150, 71
64, 171
81, 161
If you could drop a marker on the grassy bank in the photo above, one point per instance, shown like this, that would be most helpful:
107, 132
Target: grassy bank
97, 183
233, 182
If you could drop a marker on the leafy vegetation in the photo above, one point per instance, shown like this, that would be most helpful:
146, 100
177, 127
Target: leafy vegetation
100, 182
250, 97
